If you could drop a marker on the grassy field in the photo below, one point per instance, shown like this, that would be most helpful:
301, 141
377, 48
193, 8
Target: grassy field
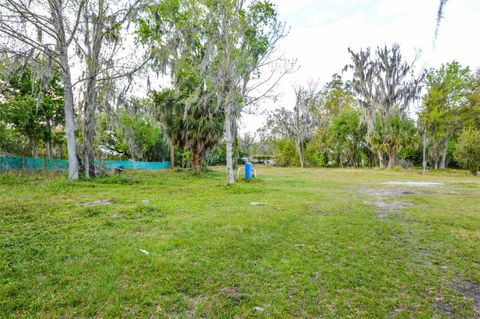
326, 244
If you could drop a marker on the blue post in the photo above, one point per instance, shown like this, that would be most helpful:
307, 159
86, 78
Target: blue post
248, 170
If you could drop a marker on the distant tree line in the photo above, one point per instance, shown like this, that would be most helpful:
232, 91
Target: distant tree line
371, 118
70, 72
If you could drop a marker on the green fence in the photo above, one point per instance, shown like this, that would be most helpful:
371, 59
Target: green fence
14, 163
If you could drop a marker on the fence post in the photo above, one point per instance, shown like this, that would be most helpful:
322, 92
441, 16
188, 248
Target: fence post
45, 163
23, 164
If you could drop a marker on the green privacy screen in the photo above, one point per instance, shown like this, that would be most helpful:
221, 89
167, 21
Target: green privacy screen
12, 163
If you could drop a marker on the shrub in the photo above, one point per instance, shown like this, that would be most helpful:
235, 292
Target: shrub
285, 153
467, 152
347, 138
314, 155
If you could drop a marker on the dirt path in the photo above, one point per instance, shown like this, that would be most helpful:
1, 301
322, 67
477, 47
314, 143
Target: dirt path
386, 200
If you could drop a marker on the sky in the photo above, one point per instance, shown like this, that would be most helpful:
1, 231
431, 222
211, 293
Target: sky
321, 31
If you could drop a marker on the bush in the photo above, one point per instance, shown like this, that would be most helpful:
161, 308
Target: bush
347, 138
285, 153
410, 156
217, 156
314, 155
263, 157
467, 152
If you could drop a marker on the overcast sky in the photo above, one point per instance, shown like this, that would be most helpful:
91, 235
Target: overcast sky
322, 30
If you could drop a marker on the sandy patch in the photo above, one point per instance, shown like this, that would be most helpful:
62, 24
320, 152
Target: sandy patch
415, 184
97, 203
387, 192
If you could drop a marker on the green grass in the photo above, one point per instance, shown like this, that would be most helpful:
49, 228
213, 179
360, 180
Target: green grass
318, 249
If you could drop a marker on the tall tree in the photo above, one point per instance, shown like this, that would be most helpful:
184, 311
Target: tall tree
447, 89
193, 125
303, 121
101, 46
244, 35
46, 27
191, 112
298, 124
470, 110
231, 42
383, 84
93, 23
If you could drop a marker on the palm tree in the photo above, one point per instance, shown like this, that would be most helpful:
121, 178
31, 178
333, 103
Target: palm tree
195, 124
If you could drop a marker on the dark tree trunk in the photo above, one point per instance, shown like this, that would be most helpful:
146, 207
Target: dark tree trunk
94, 35
372, 159
172, 153
236, 146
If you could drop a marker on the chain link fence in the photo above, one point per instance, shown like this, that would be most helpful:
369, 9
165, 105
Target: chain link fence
16, 163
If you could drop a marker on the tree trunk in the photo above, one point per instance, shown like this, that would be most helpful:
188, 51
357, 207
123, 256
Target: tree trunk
381, 160
229, 143
172, 153
236, 146
89, 128
34, 148
298, 145
49, 140
69, 116
443, 159
392, 159
93, 42
63, 43
197, 160
49, 149
424, 152
371, 158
